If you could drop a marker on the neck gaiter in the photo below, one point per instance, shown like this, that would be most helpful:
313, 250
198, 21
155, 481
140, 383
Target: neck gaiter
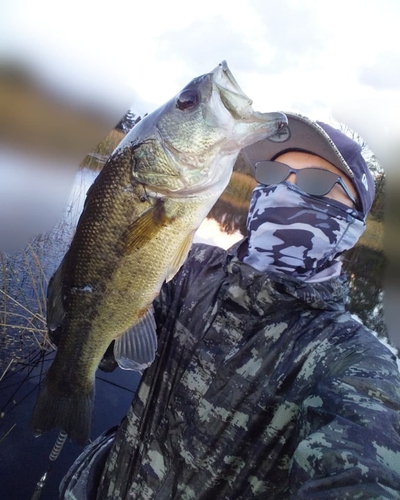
292, 232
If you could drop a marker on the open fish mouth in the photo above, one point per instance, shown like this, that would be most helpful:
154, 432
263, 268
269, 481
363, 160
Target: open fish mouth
239, 104
232, 96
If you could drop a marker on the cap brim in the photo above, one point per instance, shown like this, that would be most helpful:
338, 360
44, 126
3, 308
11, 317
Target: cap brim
301, 134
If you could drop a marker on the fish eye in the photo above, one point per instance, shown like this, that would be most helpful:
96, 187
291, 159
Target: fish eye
187, 99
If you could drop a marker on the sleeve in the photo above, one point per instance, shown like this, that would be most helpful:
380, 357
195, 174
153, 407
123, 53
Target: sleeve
350, 427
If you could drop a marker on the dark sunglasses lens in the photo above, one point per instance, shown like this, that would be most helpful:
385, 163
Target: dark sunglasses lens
315, 181
271, 172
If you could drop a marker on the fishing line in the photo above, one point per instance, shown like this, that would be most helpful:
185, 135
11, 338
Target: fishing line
115, 385
23, 365
11, 398
31, 363
39, 356
25, 379
9, 386
21, 400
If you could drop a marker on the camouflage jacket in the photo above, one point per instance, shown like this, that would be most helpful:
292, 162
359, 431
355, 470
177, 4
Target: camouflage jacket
263, 387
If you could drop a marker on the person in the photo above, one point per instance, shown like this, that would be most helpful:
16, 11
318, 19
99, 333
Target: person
264, 386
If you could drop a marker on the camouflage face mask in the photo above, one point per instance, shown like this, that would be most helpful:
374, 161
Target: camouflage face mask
292, 232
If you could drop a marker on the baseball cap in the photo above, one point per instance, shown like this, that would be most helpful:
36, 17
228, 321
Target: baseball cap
303, 134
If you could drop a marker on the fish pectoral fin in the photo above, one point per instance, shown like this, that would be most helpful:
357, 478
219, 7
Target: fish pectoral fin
55, 306
180, 256
136, 348
145, 227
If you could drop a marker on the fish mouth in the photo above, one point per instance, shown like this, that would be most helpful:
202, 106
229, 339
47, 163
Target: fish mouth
239, 104
232, 96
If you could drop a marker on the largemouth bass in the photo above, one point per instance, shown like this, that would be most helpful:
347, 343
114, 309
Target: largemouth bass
135, 232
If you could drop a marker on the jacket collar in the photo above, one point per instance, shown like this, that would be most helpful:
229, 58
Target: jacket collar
281, 288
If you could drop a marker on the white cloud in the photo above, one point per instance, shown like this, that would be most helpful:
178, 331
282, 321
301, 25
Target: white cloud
383, 73
294, 54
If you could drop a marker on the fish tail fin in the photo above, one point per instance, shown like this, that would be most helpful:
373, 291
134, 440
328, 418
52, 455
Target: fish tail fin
70, 411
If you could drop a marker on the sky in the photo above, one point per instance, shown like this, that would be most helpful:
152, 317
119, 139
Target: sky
298, 55
328, 60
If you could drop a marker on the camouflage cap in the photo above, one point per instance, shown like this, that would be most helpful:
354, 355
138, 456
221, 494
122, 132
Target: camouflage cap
303, 134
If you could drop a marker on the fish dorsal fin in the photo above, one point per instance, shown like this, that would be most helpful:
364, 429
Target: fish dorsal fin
180, 256
136, 348
145, 227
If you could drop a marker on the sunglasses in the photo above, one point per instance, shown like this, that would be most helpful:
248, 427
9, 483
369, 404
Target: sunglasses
315, 181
